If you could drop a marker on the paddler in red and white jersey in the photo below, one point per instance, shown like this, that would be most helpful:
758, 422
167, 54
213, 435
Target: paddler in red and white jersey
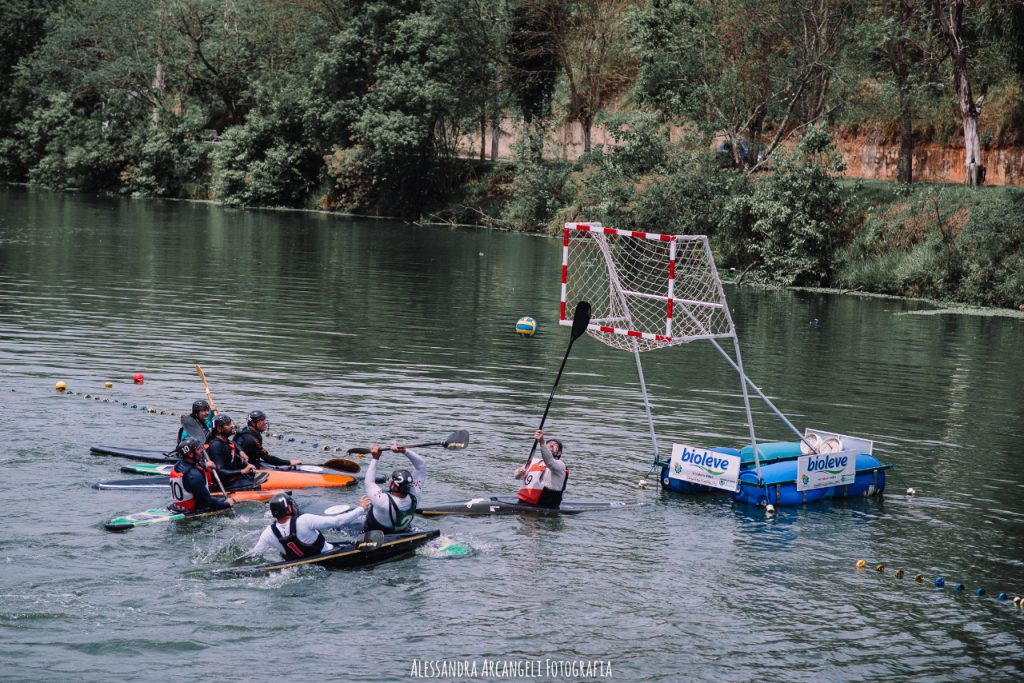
544, 478
190, 486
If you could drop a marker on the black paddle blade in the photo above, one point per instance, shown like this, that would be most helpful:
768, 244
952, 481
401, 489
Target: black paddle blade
580, 319
457, 440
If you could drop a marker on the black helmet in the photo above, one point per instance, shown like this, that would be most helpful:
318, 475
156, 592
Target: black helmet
561, 449
282, 504
200, 405
190, 448
256, 415
222, 420
401, 481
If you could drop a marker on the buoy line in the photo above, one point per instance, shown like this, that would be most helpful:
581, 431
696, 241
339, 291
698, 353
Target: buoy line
325, 448
940, 582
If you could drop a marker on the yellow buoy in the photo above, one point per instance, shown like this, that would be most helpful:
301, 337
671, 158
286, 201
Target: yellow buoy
108, 384
861, 564
60, 386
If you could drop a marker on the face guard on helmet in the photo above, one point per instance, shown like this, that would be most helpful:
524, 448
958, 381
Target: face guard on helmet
281, 505
401, 481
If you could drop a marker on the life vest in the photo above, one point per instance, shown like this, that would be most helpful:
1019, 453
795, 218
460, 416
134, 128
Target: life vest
535, 491
294, 549
182, 499
400, 520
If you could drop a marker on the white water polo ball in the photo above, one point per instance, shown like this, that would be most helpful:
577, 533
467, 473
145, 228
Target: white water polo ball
526, 327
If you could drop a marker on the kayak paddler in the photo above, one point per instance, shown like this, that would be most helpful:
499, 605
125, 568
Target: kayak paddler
393, 511
299, 535
544, 479
233, 467
201, 412
250, 442
190, 486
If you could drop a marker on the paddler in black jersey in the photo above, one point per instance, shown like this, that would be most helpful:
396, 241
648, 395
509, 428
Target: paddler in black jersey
201, 412
393, 511
544, 479
250, 442
233, 467
190, 487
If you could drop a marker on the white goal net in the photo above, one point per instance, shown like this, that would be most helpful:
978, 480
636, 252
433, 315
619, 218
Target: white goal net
646, 291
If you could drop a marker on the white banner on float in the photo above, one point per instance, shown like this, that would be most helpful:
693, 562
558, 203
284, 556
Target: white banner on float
699, 466
831, 442
828, 469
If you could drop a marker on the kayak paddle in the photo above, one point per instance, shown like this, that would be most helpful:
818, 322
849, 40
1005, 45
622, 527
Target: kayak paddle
580, 321
455, 441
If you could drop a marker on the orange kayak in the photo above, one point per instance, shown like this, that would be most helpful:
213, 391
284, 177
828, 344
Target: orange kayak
288, 479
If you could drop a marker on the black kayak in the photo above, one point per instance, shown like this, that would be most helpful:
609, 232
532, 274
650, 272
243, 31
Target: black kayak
161, 482
140, 454
346, 555
512, 506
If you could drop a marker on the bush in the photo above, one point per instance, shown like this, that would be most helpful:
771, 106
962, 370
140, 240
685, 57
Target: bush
992, 243
791, 220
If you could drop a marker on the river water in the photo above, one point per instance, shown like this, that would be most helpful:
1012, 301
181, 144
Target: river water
348, 332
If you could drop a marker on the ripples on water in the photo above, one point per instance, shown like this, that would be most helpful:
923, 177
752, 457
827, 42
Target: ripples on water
348, 332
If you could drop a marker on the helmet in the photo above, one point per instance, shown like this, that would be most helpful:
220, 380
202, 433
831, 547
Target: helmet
256, 415
282, 504
401, 481
199, 406
190, 448
222, 420
560, 447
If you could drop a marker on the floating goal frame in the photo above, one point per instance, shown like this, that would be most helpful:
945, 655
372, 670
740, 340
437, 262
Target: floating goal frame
626, 306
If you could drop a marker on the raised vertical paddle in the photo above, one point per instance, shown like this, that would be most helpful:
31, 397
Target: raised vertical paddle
580, 321
206, 387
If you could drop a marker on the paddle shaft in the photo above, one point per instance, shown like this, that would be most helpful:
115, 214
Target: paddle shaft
455, 441
206, 388
551, 396
580, 320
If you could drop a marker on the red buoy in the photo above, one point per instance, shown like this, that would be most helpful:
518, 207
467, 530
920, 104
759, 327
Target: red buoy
138, 379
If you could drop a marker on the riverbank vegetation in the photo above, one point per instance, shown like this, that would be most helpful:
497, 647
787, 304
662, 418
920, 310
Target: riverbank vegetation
722, 117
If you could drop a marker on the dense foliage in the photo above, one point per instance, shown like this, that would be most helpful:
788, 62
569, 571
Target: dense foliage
375, 106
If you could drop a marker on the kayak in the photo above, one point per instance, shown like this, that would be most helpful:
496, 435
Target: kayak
346, 555
153, 468
512, 506
155, 455
275, 479
140, 454
159, 515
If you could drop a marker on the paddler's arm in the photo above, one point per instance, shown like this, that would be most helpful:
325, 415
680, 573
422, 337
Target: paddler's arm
556, 466
279, 462
195, 483
321, 522
267, 542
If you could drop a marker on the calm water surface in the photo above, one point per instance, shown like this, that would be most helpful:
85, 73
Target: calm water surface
348, 332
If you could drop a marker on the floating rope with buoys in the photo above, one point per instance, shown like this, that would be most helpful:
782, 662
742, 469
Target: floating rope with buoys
62, 390
940, 582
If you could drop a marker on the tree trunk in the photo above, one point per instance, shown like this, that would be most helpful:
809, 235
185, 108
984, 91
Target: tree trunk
950, 16
158, 78
905, 161
495, 133
483, 132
